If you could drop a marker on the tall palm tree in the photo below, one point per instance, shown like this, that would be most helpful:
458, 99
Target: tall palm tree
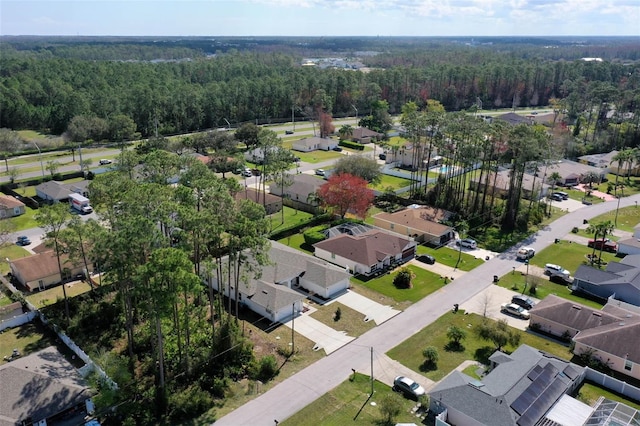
345, 132
600, 229
622, 158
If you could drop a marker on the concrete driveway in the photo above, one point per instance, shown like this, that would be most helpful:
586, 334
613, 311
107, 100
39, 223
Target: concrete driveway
488, 302
322, 335
439, 268
569, 205
372, 310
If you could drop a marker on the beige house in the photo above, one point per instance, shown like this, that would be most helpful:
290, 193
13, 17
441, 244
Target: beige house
420, 222
299, 190
314, 143
272, 204
499, 183
10, 207
364, 135
40, 271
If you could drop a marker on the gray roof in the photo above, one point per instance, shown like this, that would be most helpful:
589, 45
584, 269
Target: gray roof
624, 273
39, 386
325, 275
570, 314
490, 401
303, 184
568, 168
273, 297
54, 190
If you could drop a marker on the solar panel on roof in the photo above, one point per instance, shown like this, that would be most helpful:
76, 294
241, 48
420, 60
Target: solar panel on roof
523, 402
571, 372
533, 374
543, 403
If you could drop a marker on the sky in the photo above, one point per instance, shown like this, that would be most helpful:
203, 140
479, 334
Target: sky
321, 17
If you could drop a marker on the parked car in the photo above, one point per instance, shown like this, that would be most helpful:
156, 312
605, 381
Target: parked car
337, 148
468, 243
552, 270
23, 240
513, 309
560, 279
604, 244
523, 301
382, 156
525, 253
288, 132
247, 173
408, 387
564, 195
319, 172
556, 197
104, 162
426, 258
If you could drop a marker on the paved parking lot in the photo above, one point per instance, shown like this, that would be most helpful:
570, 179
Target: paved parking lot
488, 302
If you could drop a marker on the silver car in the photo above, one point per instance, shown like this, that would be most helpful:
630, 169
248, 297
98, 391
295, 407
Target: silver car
408, 387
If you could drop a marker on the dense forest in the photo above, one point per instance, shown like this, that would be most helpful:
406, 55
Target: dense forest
174, 86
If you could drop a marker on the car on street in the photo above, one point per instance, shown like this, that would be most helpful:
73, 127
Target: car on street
408, 387
554, 270
525, 253
104, 162
523, 301
426, 258
604, 244
320, 172
468, 243
288, 132
247, 173
515, 310
23, 240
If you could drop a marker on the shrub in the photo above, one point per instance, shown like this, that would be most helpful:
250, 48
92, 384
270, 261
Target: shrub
311, 237
337, 315
403, 279
268, 368
353, 145
189, 403
390, 407
575, 230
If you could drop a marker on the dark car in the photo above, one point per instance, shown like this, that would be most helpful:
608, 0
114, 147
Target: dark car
426, 258
523, 301
23, 240
288, 132
556, 197
558, 279
604, 244
382, 156
337, 148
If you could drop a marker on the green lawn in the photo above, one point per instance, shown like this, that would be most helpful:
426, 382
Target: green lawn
291, 218
318, 156
52, 295
568, 255
350, 321
628, 218
5, 299
349, 403
589, 394
297, 241
10, 251
448, 256
424, 283
575, 194
27, 339
626, 187
390, 181
25, 221
515, 281
409, 352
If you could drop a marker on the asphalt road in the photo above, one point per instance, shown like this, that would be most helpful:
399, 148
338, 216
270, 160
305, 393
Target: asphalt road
301, 389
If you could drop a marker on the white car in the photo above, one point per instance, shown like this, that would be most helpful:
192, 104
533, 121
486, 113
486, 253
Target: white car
468, 243
104, 162
554, 270
513, 309
320, 172
525, 253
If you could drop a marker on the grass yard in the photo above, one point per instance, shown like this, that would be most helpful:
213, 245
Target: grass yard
349, 403
544, 287
387, 181
318, 156
297, 241
5, 299
291, 217
10, 251
628, 217
27, 339
350, 321
409, 352
448, 256
589, 394
25, 221
424, 283
26, 191
568, 255
626, 186
578, 195
52, 295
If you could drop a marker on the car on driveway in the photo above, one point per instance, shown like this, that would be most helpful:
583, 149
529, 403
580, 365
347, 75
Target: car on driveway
468, 243
604, 244
408, 387
319, 172
523, 301
23, 240
556, 197
337, 149
426, 258
515, 310
554, 270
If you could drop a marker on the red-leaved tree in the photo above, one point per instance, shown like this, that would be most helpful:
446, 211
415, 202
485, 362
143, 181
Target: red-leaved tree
326, 124
346, 193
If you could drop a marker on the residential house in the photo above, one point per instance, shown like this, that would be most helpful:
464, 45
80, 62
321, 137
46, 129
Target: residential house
39, 271
10, 206
620, 280
404, 156
573, 173
43, 387
256, 155
602, 161
314, 143
630, 245
272, 204
302, 185
368, 253
54, 191
609, 334
422, 223
520, 390
274, 294
363, 135
499, 183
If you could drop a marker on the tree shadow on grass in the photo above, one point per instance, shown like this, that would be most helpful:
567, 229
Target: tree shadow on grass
454, 347
482, 354
425, 367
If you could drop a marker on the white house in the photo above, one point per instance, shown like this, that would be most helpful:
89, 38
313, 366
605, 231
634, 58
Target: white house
256, 155
314, 143
630, 245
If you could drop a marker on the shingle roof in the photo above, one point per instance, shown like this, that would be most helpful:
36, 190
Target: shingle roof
363, 132
54, 190
324, 275
39, 386
366, 249
273, 297
256, 196
501, 181
619, 338
570, 314
567, 168
303, 184
40, 265
616, 273
424, 218
514, 119
10, 202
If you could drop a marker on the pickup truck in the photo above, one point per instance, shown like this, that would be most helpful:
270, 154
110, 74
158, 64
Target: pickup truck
604, 244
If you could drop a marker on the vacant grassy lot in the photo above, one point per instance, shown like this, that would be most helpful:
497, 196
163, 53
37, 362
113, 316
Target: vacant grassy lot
318, 156
10, 251
628, 217
387, 181
350, 321
589, 394
409, 352
424, 283
568, 255
544, 287
448, 256
349, 403
52, 295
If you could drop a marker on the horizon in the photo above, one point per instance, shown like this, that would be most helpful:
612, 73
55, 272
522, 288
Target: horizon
320, 18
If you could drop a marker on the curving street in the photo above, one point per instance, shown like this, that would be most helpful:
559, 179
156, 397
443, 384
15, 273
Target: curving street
301, 389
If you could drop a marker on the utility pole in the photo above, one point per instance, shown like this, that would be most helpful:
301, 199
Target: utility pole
293, 118
40, 154
80, 155
371, 370
356, 109
293, 323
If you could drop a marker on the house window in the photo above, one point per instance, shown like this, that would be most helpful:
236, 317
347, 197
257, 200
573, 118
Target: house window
628, 365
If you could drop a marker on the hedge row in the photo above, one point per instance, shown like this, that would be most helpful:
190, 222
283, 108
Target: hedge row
353, 145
